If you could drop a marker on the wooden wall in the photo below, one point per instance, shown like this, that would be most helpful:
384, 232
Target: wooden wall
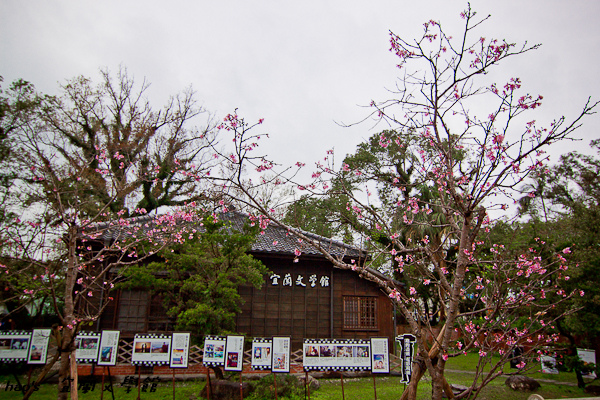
309, 311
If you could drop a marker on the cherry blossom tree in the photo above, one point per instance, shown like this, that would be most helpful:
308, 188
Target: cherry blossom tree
83, 168
471, 144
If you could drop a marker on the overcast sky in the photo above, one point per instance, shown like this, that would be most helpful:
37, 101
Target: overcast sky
300, 65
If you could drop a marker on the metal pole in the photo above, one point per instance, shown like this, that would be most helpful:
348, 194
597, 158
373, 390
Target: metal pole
342, 379
374, 386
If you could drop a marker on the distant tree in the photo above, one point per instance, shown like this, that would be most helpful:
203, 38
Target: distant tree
569, 195
199, 278
472, 167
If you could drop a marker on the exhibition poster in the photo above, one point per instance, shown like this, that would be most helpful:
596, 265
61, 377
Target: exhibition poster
87, 345
38, 349
180, 349
380, 356
281, 354
151, 349
234, 353
109, 345
261, 353
332, 354
214, 351
14, 345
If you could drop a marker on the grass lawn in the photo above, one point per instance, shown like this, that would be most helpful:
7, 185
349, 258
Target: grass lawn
387, 387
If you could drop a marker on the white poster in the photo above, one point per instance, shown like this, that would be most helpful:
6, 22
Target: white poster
214, 351
87, 345
380, 356
332, 354
150, 349
109, 346
281, 354
39, 346
261, 353
180, 349
234, 353
14, 345
588, 356
548, 365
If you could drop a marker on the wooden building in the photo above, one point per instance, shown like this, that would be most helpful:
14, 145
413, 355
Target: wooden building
303, 297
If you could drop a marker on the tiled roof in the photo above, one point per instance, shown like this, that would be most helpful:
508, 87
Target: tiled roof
274, 239
278, 240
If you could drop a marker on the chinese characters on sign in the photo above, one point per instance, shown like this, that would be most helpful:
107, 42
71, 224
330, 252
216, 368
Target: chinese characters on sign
287, 280
406, 344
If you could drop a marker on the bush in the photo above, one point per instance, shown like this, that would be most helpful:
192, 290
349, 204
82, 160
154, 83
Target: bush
288, 388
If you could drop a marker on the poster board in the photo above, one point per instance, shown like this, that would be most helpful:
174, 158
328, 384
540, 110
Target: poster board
38, 349
109, 346
332, 354
214, 351
180, 350
281, 354
588, 356
380, 356
548, 365
14, 346
151, 349
87, 345
261, 353
234, 353
406, 345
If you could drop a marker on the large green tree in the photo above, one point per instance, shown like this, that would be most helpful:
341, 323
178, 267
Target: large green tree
198, 279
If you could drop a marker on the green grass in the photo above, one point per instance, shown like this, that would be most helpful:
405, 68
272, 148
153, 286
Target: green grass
387, 387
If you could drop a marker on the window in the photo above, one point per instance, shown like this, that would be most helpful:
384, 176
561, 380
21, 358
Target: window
133, 309
360, 312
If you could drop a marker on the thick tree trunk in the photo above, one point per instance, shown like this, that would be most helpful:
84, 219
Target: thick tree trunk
419, 370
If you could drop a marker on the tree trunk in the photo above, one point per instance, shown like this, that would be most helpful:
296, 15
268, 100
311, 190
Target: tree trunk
419, 370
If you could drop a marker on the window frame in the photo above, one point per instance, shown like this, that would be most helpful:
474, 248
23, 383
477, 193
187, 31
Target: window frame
360, 313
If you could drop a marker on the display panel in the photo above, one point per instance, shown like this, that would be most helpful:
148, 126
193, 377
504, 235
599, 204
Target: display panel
87, 345
14, 346
151, 349
234, 353
380, 356
281, 354
38, 349
109, 346
332, 354
214, 351
180, 349
261, 353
